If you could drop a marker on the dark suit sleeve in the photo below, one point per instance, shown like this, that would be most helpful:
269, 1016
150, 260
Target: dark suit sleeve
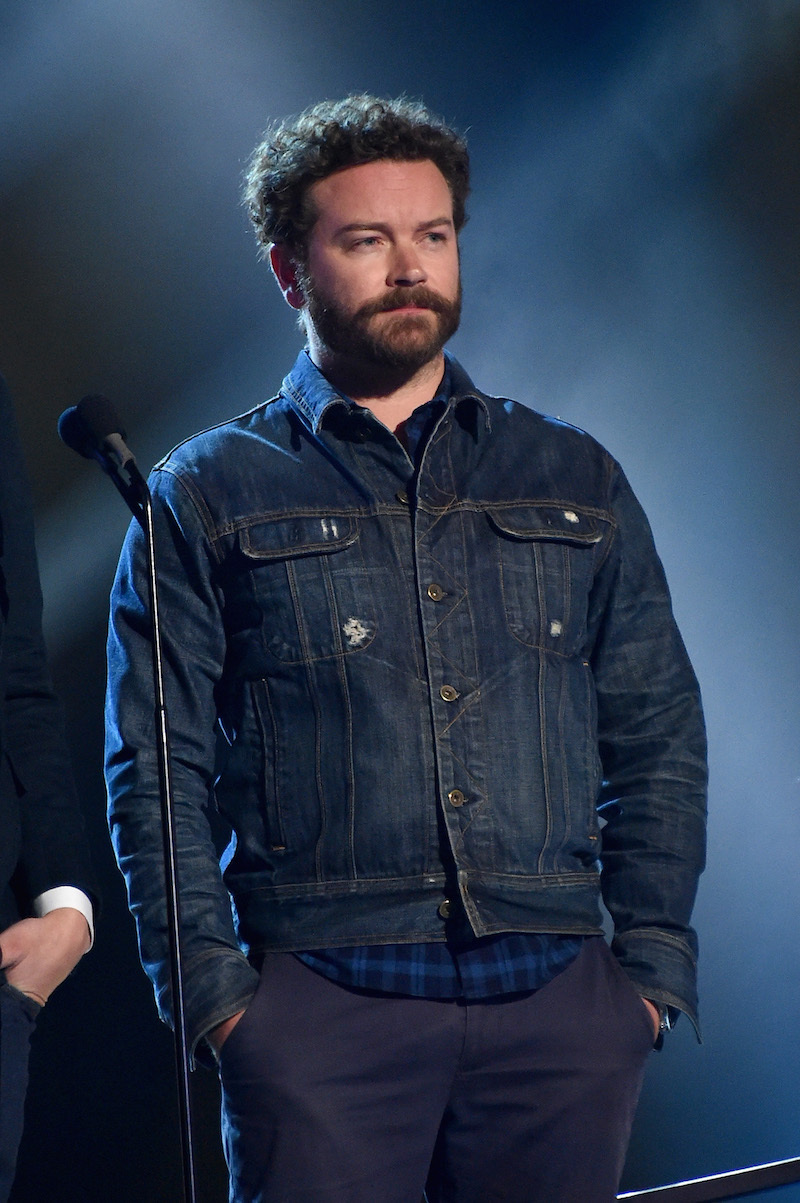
38, 798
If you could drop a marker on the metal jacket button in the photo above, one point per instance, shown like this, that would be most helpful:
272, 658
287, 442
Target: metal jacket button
435, 592
444, 909
456, 797
402, 496
448, 694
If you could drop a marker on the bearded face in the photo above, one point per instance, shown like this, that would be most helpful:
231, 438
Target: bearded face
378, 284
402, 330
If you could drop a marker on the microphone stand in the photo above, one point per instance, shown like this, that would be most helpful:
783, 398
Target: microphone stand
137, 496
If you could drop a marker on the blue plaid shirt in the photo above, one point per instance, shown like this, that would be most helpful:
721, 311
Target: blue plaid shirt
507, 963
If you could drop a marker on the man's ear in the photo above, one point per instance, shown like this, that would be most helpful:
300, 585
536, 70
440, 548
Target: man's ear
284, 268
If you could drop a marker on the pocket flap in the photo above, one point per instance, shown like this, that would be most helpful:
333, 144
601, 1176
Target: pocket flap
560, 523
302, 535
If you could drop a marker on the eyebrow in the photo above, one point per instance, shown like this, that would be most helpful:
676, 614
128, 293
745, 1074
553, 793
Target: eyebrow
384, 227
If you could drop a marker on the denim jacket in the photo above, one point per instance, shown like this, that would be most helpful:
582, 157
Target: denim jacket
431, 684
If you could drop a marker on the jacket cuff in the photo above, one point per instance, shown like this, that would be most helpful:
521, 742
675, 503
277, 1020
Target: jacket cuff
663, 967
216, 985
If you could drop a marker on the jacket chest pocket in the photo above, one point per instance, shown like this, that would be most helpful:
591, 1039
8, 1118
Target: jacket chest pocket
546, 560
311, 587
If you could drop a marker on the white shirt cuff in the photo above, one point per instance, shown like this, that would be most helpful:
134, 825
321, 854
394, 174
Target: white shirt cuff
65, 896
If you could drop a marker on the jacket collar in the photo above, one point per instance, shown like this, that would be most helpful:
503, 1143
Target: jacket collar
314, 396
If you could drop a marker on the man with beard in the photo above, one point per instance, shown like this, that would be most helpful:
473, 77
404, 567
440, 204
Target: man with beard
436, 635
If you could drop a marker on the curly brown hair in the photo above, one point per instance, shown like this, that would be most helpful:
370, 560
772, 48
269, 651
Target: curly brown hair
335, 134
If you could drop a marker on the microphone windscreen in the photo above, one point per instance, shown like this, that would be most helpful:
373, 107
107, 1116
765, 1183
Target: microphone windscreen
99, 418
73, 432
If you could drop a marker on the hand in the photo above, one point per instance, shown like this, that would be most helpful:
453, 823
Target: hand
654, 1015
218, 1035
37, 954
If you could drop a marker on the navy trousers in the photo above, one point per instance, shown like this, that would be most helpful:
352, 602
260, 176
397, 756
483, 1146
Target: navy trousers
337, 1095
17, 1020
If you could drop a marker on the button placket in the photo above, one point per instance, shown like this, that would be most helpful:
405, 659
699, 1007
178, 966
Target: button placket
448, 656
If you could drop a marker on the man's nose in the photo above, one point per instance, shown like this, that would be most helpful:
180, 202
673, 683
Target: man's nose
406, 268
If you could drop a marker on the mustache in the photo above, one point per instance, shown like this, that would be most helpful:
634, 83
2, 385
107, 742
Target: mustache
399, 298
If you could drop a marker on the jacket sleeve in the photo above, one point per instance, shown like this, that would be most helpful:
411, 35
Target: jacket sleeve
37, 773
218, 979
651, 737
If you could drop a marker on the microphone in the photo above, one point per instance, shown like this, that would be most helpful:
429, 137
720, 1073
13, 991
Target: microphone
93, 429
